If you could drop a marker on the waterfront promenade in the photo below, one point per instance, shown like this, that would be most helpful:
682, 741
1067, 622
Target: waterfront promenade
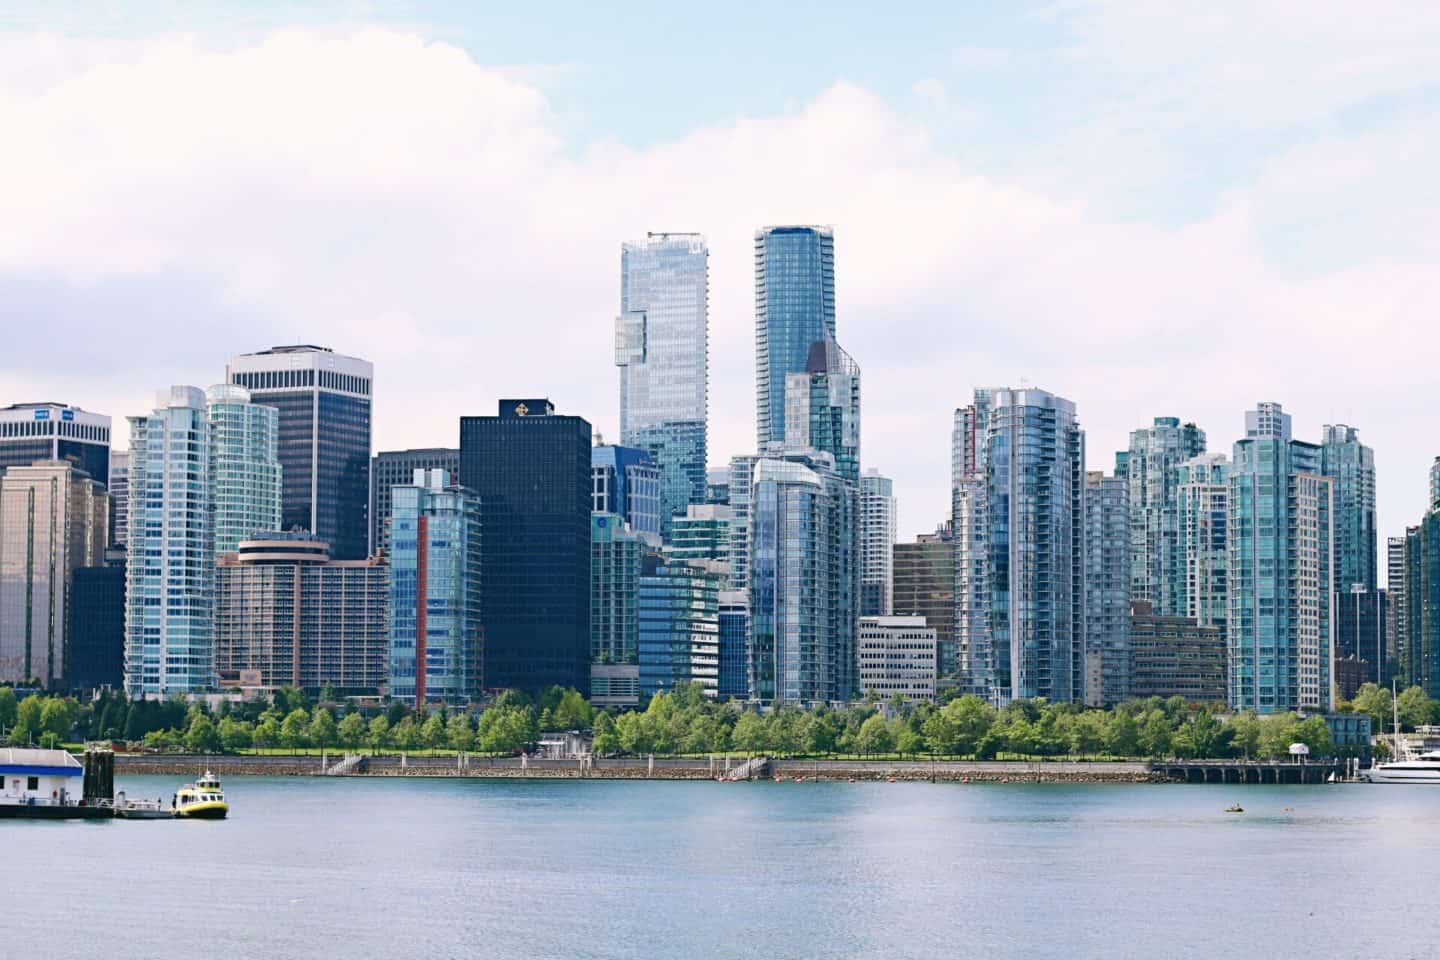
691, 768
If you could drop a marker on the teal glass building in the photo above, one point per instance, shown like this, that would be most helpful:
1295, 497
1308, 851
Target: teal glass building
437, 642
1149, 471
1281, 574
679, 628
244, 444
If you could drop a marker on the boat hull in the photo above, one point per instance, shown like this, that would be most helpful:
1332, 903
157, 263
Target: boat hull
1389, 773
203, 811
20, 811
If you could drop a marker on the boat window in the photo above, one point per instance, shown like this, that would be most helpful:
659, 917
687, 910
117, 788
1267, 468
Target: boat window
32, 783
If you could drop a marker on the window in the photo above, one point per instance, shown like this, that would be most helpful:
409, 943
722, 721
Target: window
32, 783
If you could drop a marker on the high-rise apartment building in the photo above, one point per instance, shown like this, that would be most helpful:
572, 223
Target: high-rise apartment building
1034, 475
1350, 465
627, 482
1396, 609
170, 549
702, 534
324, 400
55, 431
1202, 498
244, 445
1149, 473
662, 349
54, 519
396, 468
1107, 589
803, 579
965, 658
742, 475
617, 554
717, 486
877, 545
119, 488
437, 640
1281, 576
822, 407
679, 628
286, 615
794, 308
1419, 661
531, 470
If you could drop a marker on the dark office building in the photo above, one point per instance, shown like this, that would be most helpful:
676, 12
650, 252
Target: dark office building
734, 683
55, 431
96, 631
1360, 637
531, 469
324, 403
925, 587
396, 468
1173, 657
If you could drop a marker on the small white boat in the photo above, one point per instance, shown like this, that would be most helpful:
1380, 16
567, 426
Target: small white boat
128, 809
1422, 769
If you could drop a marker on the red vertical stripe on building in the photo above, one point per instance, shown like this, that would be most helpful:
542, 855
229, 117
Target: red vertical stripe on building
422, 551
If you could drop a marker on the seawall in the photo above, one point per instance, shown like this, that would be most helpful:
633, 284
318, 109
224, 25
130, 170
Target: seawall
1060, 771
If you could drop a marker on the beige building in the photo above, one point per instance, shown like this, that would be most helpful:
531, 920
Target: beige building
898, 655
53, 518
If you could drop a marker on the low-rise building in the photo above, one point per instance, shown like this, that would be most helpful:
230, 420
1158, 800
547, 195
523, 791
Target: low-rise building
1173, 657
898, 655
39, 776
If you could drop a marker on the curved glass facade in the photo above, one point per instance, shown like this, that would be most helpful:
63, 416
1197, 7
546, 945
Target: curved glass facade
794, 308
246, 468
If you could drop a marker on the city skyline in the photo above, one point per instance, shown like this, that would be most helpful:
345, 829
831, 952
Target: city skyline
981, 265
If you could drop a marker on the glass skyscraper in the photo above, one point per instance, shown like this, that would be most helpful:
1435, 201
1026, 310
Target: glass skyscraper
877, 544
1202, 497
803, 580
794, 308
1281, 573
1149, 472
170, 549
119, 496
437, 641
396, 468
246, 467
679, 628
662, 349
1107, 590
531, 470
822, 407
324, 438
628, 483
734, 637
1350, 465
1035, 465
617, 553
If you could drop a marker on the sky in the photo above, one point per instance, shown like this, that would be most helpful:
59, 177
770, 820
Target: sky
1150, 208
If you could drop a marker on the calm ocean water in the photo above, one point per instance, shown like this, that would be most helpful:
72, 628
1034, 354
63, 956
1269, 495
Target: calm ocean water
597, 869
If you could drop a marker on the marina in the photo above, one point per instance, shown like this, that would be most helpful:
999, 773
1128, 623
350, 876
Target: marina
54, 785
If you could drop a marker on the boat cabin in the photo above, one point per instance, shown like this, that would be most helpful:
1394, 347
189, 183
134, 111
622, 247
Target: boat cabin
39, 776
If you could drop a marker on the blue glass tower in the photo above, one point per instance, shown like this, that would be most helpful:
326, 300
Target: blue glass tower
627, 483
679, 627
794, 308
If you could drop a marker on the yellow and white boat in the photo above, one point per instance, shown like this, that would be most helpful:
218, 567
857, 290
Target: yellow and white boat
202, 800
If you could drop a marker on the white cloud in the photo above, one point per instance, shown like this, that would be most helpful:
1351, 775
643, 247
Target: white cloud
931, 90
168, 204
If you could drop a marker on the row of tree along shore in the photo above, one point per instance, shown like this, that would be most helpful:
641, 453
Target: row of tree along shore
686, 723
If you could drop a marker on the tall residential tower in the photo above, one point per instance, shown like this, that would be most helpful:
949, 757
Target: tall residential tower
794, 308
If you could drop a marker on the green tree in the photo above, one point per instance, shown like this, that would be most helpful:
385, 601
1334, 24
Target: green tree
55, 718
874, 736
1155, 734
432, 731
28, 722
406, 734
572, 712
350, 731
1374, 700
751, 734
267, 731
294, 729
202, 737
379, 732
322, 730
8, 707
1202, 737
459, 734
907, 741
1416, 707
1122, 734
1245, 734
605, 741
235, 734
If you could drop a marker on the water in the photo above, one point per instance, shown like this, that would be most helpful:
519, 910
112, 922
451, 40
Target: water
615, 869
